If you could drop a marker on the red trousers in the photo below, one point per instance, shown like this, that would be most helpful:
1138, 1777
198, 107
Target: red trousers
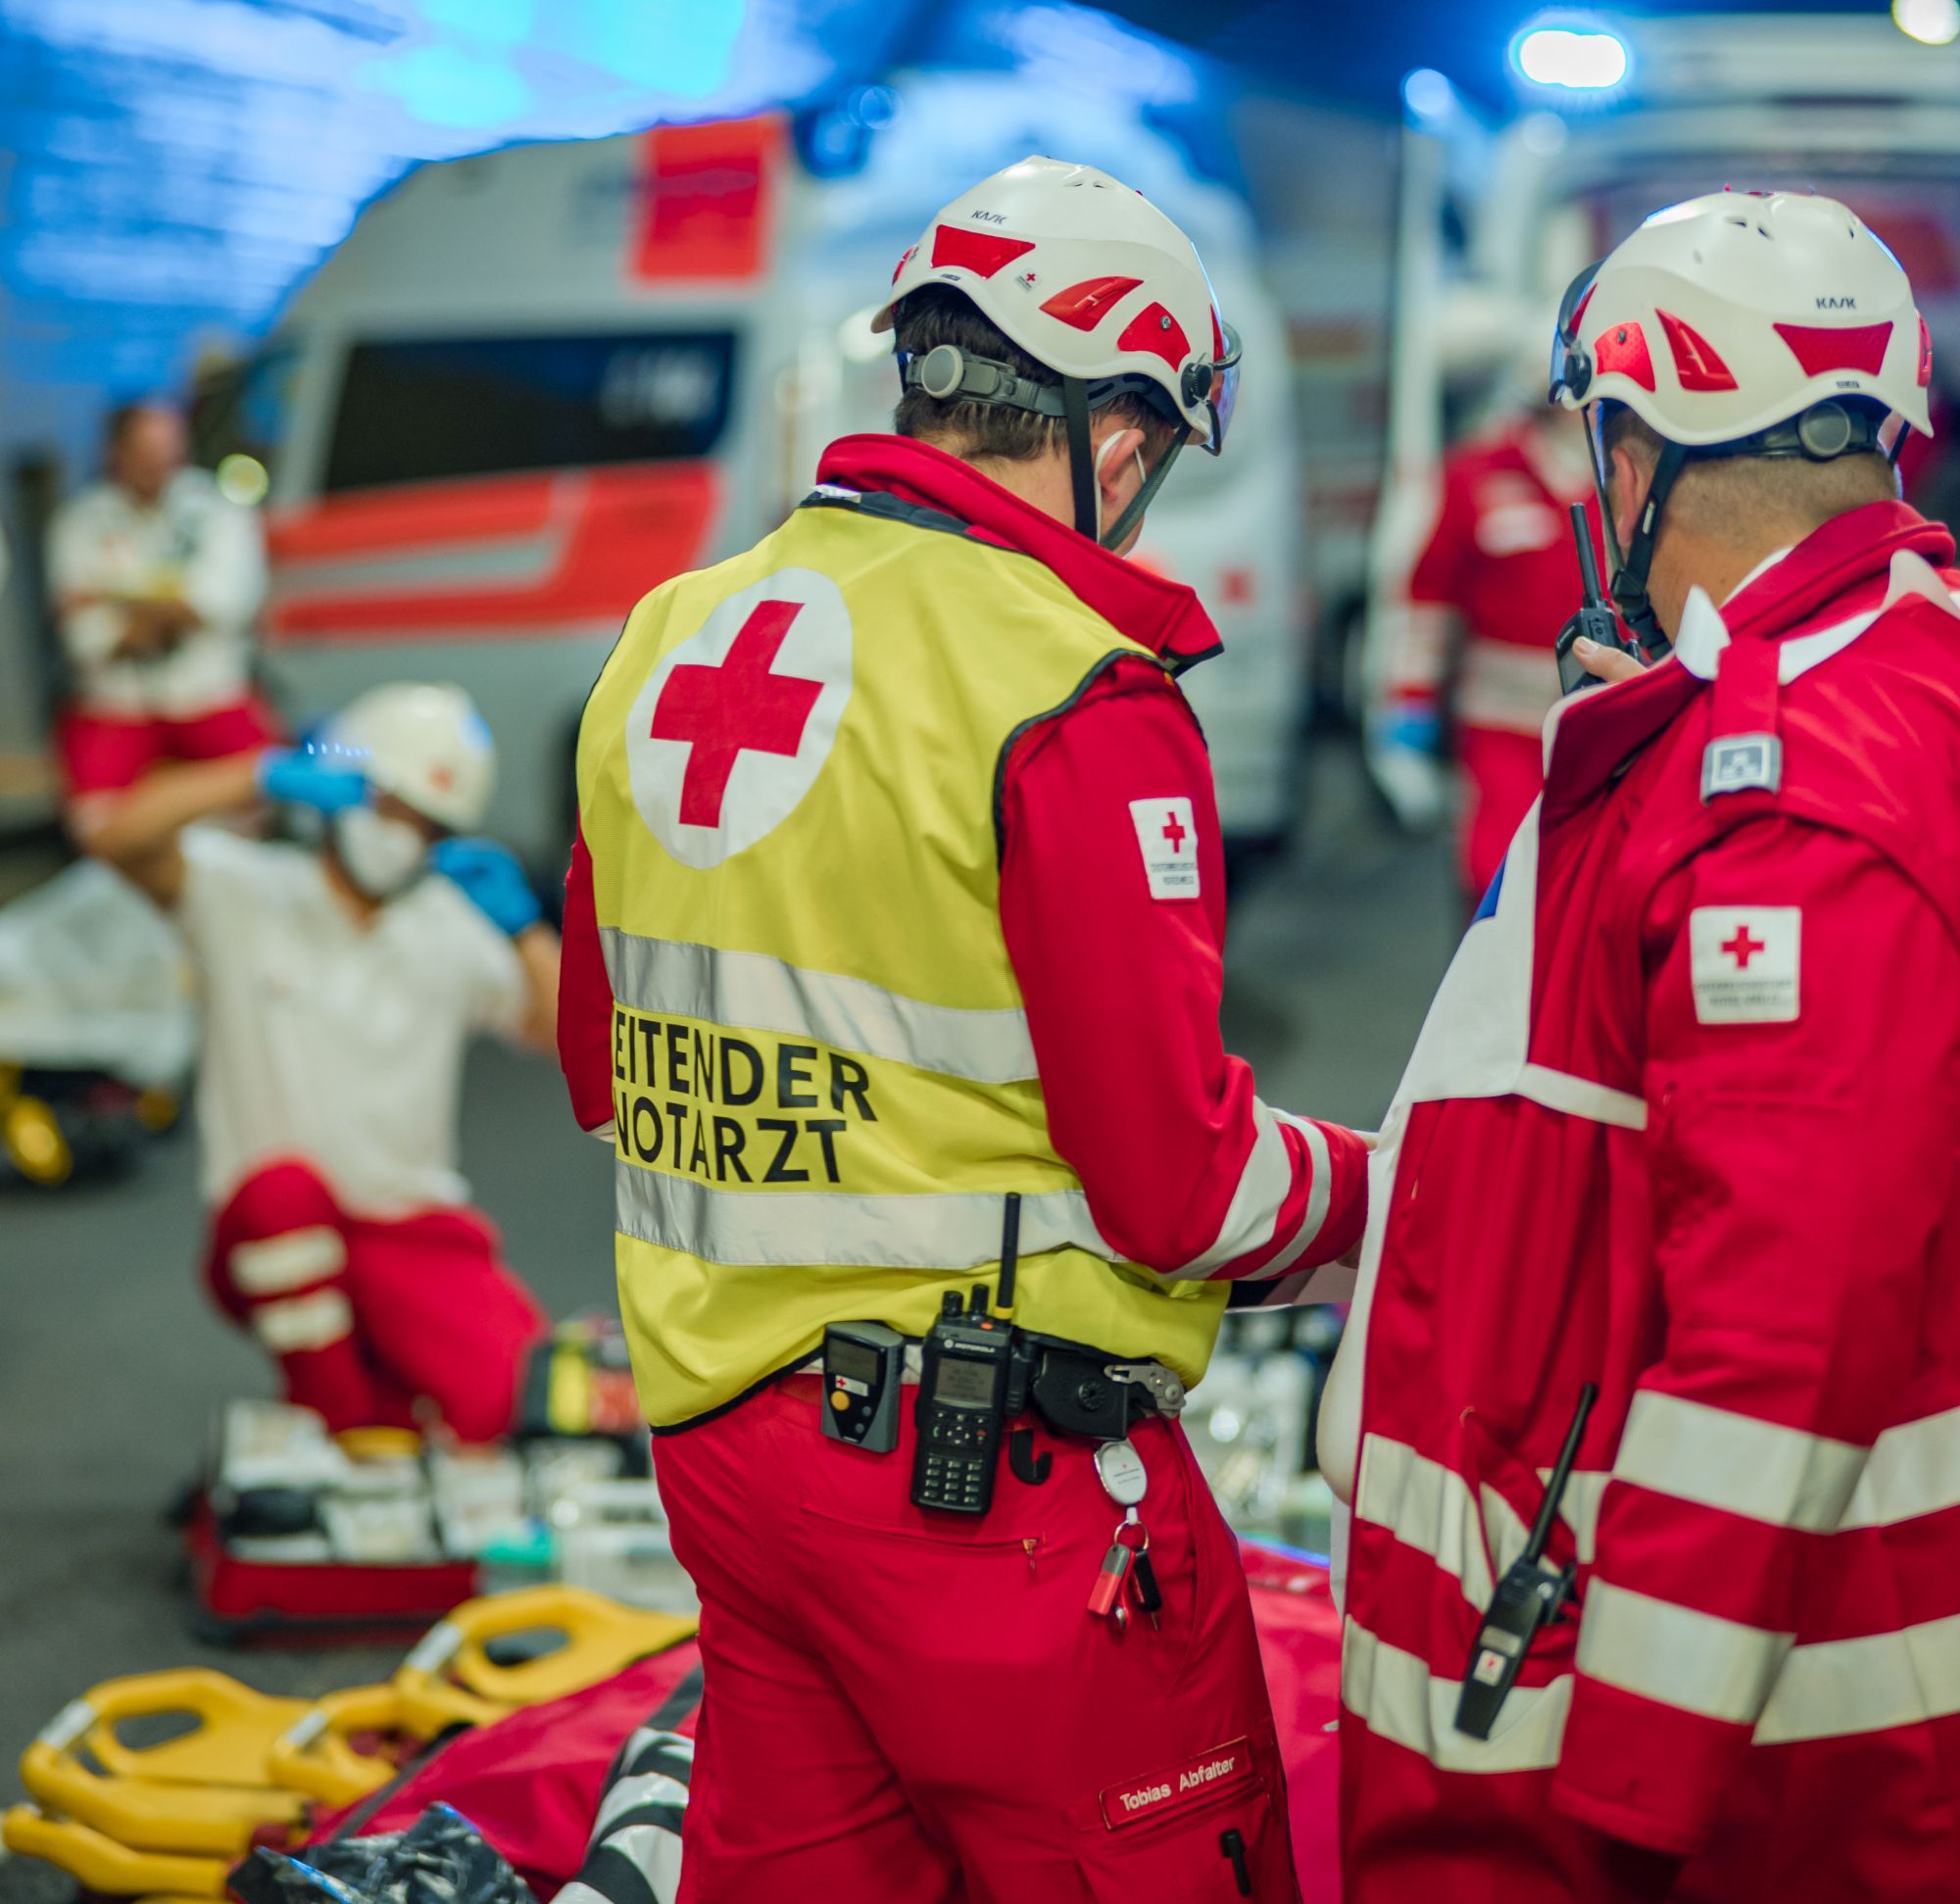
366, 1318
1502, 774
103, 754
906, 1707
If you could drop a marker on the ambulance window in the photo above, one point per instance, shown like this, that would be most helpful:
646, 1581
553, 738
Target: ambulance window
433, 410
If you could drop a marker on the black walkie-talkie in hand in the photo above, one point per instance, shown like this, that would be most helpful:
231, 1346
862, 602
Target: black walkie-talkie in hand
1528, 1596
1596, 619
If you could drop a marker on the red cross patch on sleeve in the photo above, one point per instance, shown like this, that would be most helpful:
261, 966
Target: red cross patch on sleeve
1745, 962
1165, 832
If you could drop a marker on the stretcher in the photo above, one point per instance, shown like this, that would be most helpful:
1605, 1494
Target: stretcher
206, 1791
167, 1822
347, 1745
100, 1864
479, 1664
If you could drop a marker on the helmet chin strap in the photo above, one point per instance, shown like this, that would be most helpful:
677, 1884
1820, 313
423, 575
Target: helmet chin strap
1629, 586
1085, 471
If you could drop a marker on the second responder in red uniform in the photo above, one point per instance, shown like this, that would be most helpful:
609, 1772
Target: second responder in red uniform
1470, 634
899, 901
1681, 1125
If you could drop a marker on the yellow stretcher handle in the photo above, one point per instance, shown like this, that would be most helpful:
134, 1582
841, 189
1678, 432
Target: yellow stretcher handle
450, 1677
100, 1864
207, 1792
317, 1757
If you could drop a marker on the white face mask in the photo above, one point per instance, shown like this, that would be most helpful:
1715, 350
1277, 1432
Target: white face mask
379, 855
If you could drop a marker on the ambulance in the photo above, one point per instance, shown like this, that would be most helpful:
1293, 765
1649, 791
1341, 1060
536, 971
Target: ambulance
529, 386
1494, 221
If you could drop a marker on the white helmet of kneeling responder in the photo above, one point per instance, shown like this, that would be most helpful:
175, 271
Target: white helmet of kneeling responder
1741, 323
1095, 283
426, 744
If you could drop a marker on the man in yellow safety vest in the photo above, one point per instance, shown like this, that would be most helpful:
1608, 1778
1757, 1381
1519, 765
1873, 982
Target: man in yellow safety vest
892, 970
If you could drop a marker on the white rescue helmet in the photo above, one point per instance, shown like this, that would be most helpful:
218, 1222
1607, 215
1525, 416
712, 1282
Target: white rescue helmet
1092, 281
1740, 323
1736, 311
426, 744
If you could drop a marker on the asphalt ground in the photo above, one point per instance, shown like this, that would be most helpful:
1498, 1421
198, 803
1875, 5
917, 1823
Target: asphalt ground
112, 1363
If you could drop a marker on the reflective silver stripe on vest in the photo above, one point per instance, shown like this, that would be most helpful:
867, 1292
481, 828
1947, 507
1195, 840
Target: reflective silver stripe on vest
673, 978
933, 1231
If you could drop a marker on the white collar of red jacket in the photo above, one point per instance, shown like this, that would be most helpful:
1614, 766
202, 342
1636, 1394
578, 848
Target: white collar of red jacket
1166, 616
1818, 600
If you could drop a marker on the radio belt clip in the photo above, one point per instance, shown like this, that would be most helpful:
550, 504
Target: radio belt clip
1529, 1596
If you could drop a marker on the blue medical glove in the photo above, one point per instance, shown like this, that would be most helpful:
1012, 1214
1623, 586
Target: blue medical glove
490, 876
315, 777
1415, 727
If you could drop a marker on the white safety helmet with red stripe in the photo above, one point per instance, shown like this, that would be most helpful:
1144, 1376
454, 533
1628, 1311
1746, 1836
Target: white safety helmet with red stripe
1742, 324
1094, 282
424, 744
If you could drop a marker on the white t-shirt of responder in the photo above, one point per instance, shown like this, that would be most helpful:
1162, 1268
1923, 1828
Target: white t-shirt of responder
191, 544
332, 1042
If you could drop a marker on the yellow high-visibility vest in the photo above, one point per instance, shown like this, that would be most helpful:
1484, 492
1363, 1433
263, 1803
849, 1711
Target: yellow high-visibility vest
823, 1083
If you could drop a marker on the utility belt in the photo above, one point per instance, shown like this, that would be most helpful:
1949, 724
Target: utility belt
1074, 1389
973, 1373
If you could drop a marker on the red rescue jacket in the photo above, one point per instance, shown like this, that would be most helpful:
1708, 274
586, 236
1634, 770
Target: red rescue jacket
1683, 1122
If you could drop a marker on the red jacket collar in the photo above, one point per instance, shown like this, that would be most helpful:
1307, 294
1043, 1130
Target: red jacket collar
1164, 616
1846, 562
1849, 552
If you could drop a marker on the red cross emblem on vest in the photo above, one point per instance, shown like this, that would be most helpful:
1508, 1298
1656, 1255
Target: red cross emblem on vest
740, 706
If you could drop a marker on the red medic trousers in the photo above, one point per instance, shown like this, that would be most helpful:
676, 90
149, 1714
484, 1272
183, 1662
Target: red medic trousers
906, 1707
107, 752
367, 1316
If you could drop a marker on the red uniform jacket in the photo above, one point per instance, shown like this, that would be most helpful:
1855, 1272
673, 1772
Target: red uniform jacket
1683, 1122
1494, 585
1122, 990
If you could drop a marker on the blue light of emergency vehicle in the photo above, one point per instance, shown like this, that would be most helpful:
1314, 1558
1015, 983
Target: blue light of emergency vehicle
1428, 94
1565, 56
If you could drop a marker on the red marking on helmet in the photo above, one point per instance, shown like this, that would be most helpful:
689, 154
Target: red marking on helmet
1156, 330
442, 777
1086, 305
1837, 346
1217, 340
1579, 315
981, 252
1696, 362
1623, 349
910, 252
1925, 354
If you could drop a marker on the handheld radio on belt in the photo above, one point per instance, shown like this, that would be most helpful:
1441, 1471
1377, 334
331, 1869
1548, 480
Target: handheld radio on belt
971, 1364
962, 1404
1530, 1595
1596, 619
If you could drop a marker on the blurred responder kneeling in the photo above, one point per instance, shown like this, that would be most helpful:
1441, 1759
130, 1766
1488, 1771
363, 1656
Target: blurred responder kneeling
155, 578
893, 970
340, 988
1472, 632
1685, 1117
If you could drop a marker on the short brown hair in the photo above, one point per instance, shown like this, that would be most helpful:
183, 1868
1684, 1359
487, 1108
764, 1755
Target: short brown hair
937, 313
1750, 498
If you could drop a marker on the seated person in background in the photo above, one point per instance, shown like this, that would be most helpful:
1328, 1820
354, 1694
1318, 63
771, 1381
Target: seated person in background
155, 579
340, 988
